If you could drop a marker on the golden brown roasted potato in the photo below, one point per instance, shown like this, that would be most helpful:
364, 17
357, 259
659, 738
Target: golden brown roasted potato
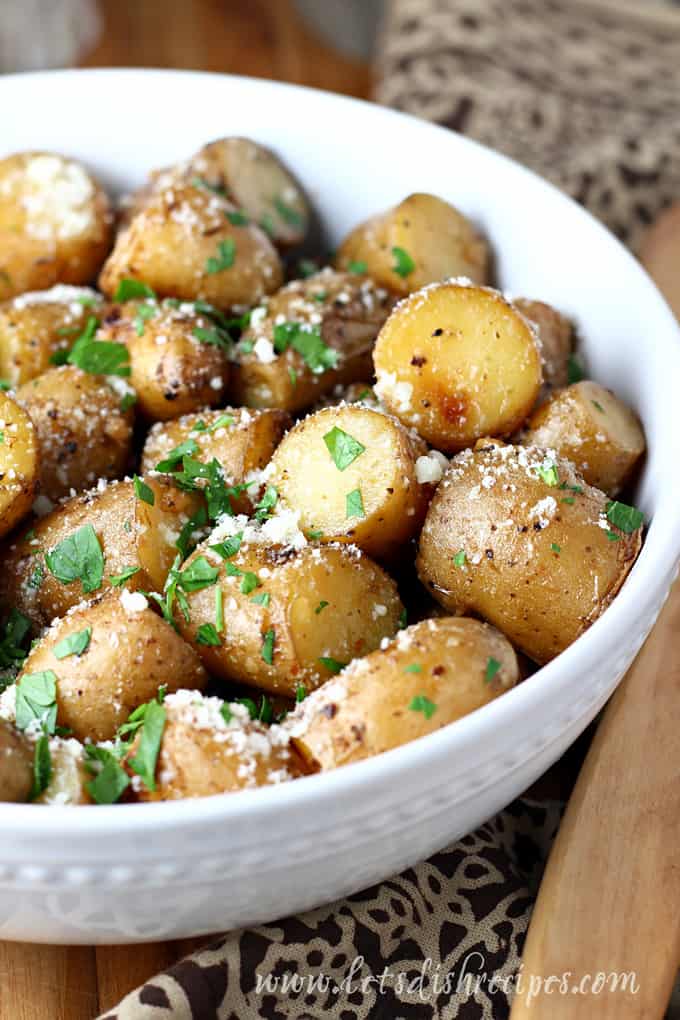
430, 675
55, 223
177, 361
99, 534
593, 429
422, 240
210, 746
520, 539
19, 463
354, 474
16, 764
189, 243
242, 440
458, 362
556, 335
285, 616
109, 657
312, 335
33, 327
83, 432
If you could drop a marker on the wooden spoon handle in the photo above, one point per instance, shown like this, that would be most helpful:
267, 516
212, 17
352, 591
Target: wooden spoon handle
609, 901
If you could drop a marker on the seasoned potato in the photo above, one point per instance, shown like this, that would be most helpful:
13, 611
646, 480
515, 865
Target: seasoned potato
314, 606
109, 657
83, 432
521, 540
19, 463
189, 243
356, 475
242, 440
172, 370
16, 764
211, 747
593, 429
422, 240
55, 223
68, 780
430, 675
107, 531
458, 362
556, 335
33, 327
312, 335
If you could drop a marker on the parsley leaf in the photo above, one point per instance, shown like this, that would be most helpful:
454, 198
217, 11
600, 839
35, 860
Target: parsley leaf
219, 610
459, 558
403, 619
17, 630
332, 665
143, 491
308, 343
215, 336
421, 703
229, 548
414, 667
144, 761
300, 692
289, 215
42, 767
37, 699
73, 644
119, 579
492, 667
201, 182
185, 540
111, 781
129, 400
267, 650
403, 263
199, 574
547, 472
264, 508
207, 635
625, 518
226, 253
354, 504
172, 459
238, 218
343, 448
359, 267
78, 557
322, 605
129, 290
574, 370
263, 598
556, 548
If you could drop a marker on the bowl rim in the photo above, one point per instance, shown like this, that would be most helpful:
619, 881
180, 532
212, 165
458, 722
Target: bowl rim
656, 563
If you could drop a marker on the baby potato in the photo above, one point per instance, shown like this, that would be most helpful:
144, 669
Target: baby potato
458, 362
100, 534
176, 364
16, 764
68, 779
593, 429
33, 327
109, 657
517, 537
556, 336
210, 747
82, 431
422, 240
190, 243
19, 463
285, 616
257, 182
356, 475
309, 337
430, 675
55, 223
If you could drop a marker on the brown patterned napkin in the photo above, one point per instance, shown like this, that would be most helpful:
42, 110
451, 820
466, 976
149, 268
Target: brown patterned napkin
587, 92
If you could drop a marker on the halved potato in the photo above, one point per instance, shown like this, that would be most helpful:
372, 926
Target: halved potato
515, 536
354, 474
430, 675
556, 335
593, 429
55, 223
19, 463
422, 240
458, 362
124, 652
83, 432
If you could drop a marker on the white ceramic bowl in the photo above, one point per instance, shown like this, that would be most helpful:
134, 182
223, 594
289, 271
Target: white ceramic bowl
158, 871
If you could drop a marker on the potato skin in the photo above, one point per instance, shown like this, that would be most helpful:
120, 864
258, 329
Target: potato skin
55, 223
439, 240
131, 534
298, 582
457, 362
169, 243
19, 463
538, 566
556, 335
16, 765
201, 754
82, 432
172, 371
591, 427
35, 326
385, 474
367, 709
347, 310
131, 652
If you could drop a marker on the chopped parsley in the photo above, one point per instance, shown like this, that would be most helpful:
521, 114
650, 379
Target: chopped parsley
229, 548
314, 536
226, 713
309, 344
201, 182
613, 537
403, 263
357, 266
78, 557
214, 336
226, 254
625, 518
207, 635
547, 472
556, 548
459, 558
238, 218
172, 460
267, 224
263, 598
126, 573
185, 540
42, 767
143, 491
292, 375
598, 406
5, 385
73, 644
144, 761
354, 504
223, 422
421, 703
322, 605
219, 610
129, 400
575, 371
12, 645
144, 312
289, 215
111, 781
306, 267
129, 290
264, 508
414, 667
332, 665
37, 699
343, 448
267, 650
300, 693
198, 575
403, 619
492, 667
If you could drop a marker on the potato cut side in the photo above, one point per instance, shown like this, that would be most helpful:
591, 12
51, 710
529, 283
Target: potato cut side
458, 362
19, 463
351, 473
